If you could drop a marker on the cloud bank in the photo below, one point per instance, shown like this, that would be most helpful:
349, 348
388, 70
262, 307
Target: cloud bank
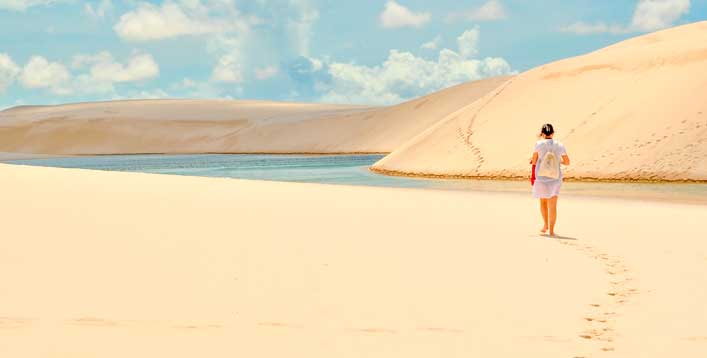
403, 75
649, 15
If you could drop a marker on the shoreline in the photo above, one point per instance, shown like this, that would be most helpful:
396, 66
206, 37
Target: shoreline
611, 193
524, 178
394, 173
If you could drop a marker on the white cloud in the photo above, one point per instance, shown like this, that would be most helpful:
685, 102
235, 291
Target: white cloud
266, 72
395, 15
8, 72
432, 45
151, 22
229, 64
22, 5
98, 11
224, 28
403, 75
104, 71
40, 73
300, 28
81, 60
94, 74
228, 69
85, 84
468, 43
227, 33
649, 15
140, 67
489, 11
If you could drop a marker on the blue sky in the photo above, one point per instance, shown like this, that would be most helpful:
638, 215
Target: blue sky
343, 51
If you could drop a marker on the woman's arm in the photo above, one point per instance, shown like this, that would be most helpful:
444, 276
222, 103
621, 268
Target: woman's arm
565, 159
534, 160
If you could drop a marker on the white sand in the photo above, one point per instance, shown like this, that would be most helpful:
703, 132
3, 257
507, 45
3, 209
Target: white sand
107, 264
634, 110
223, 126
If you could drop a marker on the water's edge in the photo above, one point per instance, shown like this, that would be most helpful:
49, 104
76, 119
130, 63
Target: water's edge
356, 169
527, 177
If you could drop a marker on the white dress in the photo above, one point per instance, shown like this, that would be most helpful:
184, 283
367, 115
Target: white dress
544, 187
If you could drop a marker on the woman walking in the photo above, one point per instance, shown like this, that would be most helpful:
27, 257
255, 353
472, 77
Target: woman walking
547, 156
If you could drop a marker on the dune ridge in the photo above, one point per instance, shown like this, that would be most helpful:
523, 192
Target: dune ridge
631, 111
225, 126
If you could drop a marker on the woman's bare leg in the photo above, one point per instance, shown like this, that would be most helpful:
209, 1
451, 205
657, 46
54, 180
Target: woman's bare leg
543, 211
552, 209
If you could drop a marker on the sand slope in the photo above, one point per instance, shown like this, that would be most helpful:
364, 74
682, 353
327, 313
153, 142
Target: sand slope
22, 156
634, 110
199, 126
107, 264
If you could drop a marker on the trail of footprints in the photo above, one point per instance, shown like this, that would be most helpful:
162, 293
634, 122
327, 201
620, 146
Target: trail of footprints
465, 132
688, 152
602, 315
466, 139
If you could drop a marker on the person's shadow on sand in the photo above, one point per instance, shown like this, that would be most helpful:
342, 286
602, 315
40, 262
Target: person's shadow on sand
559, 237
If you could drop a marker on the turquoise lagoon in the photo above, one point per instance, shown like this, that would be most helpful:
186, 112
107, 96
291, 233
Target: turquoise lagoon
348, 170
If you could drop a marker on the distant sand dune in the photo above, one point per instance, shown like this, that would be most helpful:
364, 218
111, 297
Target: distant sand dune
634, 110
631, 111
224, 126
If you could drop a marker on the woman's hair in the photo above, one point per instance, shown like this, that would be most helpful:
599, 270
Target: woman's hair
547, 130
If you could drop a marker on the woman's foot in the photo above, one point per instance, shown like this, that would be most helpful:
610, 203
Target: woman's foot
543, 230
552, 233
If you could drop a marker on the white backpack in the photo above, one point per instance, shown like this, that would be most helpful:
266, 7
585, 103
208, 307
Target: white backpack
550, 164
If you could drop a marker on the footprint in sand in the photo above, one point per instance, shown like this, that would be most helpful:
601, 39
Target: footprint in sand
601, 328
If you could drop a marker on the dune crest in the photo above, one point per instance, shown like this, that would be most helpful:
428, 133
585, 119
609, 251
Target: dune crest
631, 111
225, 126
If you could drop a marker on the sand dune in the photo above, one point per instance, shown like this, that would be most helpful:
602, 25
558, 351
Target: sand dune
634, 110
202, 126
168, 266
21, 156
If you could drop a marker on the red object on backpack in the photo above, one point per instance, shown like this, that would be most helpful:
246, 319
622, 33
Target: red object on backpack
532, 176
